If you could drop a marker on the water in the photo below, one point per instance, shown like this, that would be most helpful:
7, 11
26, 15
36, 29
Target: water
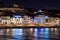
30, 34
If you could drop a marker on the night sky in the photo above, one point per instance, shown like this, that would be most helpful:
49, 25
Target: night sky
38, 4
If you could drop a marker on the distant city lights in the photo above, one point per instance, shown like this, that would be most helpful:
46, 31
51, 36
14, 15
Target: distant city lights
35, 12
17, 16
46, 17
40, 11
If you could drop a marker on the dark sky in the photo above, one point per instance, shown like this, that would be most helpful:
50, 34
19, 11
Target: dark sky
38, 4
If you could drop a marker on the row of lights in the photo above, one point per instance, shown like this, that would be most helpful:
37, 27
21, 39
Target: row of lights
39, 11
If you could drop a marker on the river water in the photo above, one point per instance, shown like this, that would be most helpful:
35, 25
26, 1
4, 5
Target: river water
30, 34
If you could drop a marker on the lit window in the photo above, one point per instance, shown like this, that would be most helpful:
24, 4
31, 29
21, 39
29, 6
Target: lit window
46, 17
17, 16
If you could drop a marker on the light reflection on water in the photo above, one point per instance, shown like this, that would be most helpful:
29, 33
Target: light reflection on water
17, 32
42, 33
33, 34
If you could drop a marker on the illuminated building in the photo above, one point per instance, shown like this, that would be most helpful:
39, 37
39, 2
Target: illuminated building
5, 20
26, 20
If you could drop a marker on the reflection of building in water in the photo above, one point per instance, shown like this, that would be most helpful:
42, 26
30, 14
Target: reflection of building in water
2, 31
17, 32
30, 32
54, 29
14, 31
9, 31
